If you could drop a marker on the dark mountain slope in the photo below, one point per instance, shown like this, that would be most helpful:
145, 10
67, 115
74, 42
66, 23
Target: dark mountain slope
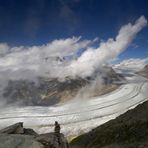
129, 130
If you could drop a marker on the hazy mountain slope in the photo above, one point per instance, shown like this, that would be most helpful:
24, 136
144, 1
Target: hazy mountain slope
49, 91
144, 72
127, 130
45, 92
111, 76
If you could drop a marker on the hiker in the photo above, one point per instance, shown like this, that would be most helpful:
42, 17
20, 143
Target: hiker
57, 131
57, 128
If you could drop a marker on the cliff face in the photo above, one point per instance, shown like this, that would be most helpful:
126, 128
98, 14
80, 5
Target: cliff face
127, 130
15, 136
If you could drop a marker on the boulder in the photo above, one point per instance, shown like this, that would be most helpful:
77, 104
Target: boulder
29, 131
13, 129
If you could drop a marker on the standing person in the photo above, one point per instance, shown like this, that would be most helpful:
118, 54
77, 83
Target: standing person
57, 129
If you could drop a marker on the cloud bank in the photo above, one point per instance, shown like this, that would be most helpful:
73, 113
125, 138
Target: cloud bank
92, 59
132, 64
48, 60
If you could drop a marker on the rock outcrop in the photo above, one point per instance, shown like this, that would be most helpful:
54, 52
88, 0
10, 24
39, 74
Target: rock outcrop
13, 129
51, 140
16, 136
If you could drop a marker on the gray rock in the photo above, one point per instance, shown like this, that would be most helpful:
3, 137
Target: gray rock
53, 140
13, 129
18, 141
29, 131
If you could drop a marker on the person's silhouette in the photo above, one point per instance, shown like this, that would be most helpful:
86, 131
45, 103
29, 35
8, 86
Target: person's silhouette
57, 127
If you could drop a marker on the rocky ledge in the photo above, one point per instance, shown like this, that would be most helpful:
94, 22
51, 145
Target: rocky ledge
16, 136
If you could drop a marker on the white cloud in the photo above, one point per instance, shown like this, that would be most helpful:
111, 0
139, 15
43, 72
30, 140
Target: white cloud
4, 49
28, 62
93, 59
132, 64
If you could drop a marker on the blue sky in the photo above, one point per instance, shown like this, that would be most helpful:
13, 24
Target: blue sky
37, 22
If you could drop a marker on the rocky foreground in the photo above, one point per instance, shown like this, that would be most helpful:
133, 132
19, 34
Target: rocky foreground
129, 130
16, 136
